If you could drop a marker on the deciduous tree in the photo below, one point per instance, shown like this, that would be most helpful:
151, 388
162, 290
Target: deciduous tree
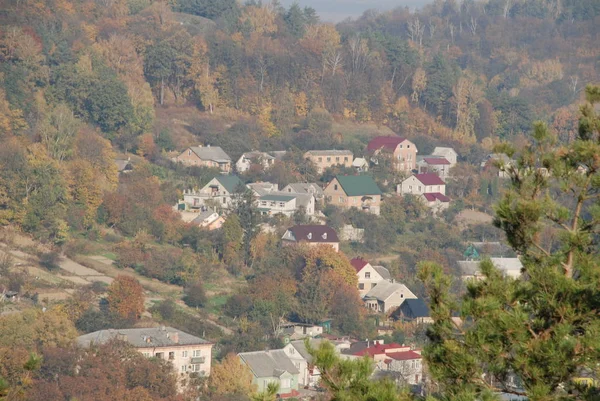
126, 297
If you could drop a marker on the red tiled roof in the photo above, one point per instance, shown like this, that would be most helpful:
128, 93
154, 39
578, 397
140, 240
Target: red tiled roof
436, 160
429, 179
404, 356
377, 349
432, 196
388, 142
358, 263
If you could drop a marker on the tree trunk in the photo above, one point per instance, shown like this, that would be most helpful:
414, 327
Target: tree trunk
162, 91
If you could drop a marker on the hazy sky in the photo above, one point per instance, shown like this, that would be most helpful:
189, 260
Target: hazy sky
337, 10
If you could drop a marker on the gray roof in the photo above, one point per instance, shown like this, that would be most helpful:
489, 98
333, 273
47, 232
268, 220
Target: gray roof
214, 153
471, 267
150, 337
123, 165
257, 154
384, 289
300, 346
262, 188
416, 308
305, 188
332, 152
278, 154
268, 363
383, 272
202, 216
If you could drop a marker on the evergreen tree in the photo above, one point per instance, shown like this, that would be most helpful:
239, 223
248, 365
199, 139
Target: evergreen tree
533, 335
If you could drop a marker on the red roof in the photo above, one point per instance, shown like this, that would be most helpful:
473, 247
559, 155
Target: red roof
378, 349
387, 142
358, 263
436, 160
433, 196
405, 356
430, 179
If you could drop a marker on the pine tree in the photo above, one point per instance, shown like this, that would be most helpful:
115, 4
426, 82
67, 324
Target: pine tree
533, 335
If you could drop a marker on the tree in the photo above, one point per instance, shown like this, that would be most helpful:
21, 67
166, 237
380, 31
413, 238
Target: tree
195, 295
537, 331
231, 376
126, 297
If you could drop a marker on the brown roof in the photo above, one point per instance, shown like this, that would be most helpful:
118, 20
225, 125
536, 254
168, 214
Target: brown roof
358, 263
314, 233
387, 142
436, 160
431, 197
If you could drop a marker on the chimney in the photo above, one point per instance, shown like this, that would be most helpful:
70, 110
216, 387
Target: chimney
174, 336
162, 328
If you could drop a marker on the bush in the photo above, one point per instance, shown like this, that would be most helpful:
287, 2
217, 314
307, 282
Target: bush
195, 296
50, 260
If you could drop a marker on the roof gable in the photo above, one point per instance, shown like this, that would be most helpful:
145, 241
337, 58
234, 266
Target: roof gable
387, 142
436, 161
358, 263
229, 182
415, 308
384, 290
357, 185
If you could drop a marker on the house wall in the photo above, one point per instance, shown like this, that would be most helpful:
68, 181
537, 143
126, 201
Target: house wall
334, 245
410, 371
442, 170
243, 164
335, 195
188, 157
287, 382
182, 356
300, 363
405, 156
286, 208
395, 300
220, 198
367, 283
323, 161
449, 154
413, 186
436, 206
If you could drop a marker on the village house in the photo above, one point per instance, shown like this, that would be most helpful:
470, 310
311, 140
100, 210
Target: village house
360, 164
262, 159
187, 353
429, 187
359, 191
368, 276
262, 188
494, 161
385, 297
447, 153
433, 164
509, 267
124, 165
313, 235
209, 219
305, 188
323, 159
272, 367
297, 331
273, 203
206, 156
217, 193
413, 311
403, 151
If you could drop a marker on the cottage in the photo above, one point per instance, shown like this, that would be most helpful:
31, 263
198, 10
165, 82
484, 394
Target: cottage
124, 165
217, 193
359, 191
313, 235
208, 219
420, 184
368, 276
413, 310
309, 374
323, 159
436, 201
386, 296
262, 159
497, 162
403, 151
272, 367
360, 164
285, 203
206, 156
509, 267
447, 153
187, 353
407, 366
305, 188
262, 188
433, 164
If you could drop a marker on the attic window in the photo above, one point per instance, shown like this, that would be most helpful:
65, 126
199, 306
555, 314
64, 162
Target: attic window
324, 235
335, 187
309, 236
408, 146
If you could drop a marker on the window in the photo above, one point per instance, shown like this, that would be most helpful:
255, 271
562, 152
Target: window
183, 368
361, 286
147, 354
292, 350
195, 367
335, 187
419, 188
346, 158
159, 355
224, 200
341, 199
171, 355
281, 204
297, 365
197, 353
401, 295
329, 159
368, 275
337, 159
320, 159
400, 146
189, 152
408, 146
263, 203
184, 354
272, 204
285, 383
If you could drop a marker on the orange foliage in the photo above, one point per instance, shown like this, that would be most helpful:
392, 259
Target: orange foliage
126, 297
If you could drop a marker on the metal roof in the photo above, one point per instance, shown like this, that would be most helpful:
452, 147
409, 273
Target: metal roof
142, 338
268, 363
213, 153
357, 185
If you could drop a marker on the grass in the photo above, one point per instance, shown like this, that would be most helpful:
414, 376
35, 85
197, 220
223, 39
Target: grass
109, 255
215, 303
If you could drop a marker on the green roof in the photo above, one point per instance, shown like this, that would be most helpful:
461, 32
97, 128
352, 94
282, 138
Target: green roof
277, 198
230, 182
356, 185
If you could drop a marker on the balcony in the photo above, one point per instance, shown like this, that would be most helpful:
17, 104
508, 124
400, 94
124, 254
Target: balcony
198, 359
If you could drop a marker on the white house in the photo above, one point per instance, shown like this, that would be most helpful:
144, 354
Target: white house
305, 188
448, 153
246, 160
262, 188
510, 267
407, 366
385, 297
369, 276
433, 164
420, 184
217, 193
273, 203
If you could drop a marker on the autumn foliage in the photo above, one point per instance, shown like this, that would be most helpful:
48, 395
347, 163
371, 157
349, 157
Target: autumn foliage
126, 297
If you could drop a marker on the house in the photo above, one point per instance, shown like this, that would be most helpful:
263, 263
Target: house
420, 184
272, 367
273, 203
309, 375
447, 153
205, 156
305, 188
368, 276
323, 159
510, 267
406, 366
217, 193
209, 219
413, 310
296, 331
359, 191
386, 296
313, 235
403, 151
493, 161
124, 165
376, 350
187, 353
433, 164
360, 164
261, 188
262, 159
436, 201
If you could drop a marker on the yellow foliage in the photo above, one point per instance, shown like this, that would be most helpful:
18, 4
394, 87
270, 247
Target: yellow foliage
231, 376
261, 19
301, 104
33, 328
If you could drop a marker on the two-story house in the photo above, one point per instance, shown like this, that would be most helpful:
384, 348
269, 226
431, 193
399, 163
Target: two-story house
313, 235
434, 164
187, 353
305, 188
429, 187
323, 159
262, 159
385, 297
206, 156
285, 203
368, 276
218, 193
403, 151
359, 191
272, 367
447, 153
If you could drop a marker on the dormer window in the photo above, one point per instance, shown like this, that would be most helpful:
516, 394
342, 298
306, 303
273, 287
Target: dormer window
189, 152
335, 187
309, 236
324, 235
